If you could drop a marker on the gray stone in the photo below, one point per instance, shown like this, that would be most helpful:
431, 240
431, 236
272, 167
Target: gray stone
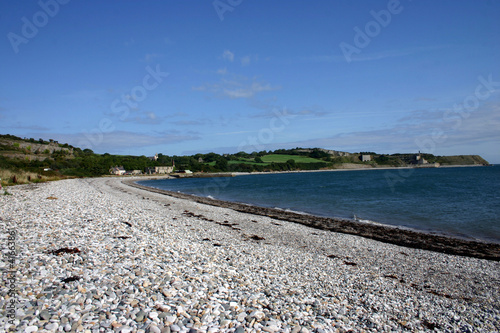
52, 326
45, 315
140, 316
154, 329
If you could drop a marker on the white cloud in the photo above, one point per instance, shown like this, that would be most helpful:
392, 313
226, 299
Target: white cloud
151, 56
145, 118
247, 91
245, 61
431, 132
222, 71
228, 55
236, 87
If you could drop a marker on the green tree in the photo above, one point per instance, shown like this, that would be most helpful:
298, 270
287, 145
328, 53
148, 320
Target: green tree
221, 164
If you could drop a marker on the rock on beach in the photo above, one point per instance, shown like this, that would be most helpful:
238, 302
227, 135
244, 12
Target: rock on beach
101, 256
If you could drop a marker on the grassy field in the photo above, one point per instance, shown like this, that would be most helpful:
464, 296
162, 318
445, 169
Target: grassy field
278, 158
240, 162
246, 162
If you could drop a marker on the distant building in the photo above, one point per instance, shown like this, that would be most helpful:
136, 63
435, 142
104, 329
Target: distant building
117, 170
154, 158
419, 159
185, 171
136, 172
366, 158
159, 170
423, 163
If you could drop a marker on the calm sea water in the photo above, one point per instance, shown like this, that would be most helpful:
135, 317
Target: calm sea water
461, 201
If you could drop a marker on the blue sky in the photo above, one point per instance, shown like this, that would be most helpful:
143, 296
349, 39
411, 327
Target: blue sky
181, 77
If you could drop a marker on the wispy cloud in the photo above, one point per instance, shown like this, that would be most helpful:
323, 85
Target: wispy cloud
424, 99
236, 87
122, 140
315, 112
228, 55
149, 57
222, 71
245, 61
232, 133
365, 56
129, 42
247, 90
432, 126
145, 117
19, 126
192, 122
407, 135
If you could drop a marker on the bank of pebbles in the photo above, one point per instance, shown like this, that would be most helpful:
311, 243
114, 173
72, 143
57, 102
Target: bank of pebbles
95, 255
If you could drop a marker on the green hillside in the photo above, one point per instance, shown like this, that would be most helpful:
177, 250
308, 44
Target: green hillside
283, 158
29, 160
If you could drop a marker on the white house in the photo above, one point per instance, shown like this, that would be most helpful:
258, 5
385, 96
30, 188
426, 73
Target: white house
117, 170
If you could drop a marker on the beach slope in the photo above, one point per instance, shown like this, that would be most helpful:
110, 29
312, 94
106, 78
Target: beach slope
98, 254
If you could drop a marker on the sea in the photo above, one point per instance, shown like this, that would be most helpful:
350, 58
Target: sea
457, 201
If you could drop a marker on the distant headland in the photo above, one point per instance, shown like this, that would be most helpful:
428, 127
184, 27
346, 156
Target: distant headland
26, 160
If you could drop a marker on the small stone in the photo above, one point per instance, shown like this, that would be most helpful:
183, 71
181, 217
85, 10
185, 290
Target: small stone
175, 328
153, 315
140, 316
271, 328
240, 329
52, 326
154, 329
259, 315
296, 329
165, 329
241, 317
30, 329
45, 315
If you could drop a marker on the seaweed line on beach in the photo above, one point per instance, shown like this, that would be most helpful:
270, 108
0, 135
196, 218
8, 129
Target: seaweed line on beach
382, 233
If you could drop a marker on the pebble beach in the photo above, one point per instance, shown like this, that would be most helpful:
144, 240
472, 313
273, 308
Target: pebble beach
97, 255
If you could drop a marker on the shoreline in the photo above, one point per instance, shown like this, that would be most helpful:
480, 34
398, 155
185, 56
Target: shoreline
96, 254
401, 236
